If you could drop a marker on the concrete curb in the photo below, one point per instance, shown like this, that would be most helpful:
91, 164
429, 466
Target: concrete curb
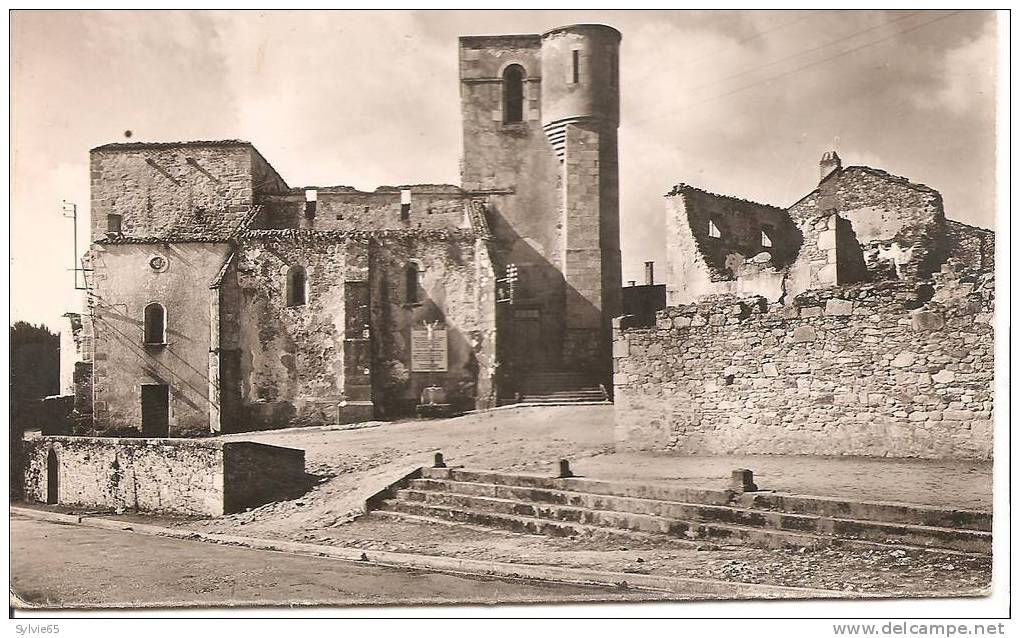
688, 587
343, 427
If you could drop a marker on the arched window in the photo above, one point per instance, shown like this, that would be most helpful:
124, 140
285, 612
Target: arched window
412, 273
155, 324
513, 94
297, 286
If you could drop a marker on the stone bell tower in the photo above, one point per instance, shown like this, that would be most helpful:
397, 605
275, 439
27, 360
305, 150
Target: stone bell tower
540, 117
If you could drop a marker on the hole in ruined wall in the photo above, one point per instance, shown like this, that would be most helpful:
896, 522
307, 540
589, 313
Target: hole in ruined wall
412, 282
405, 204
311, 202
924, 294
713, 230
728, 379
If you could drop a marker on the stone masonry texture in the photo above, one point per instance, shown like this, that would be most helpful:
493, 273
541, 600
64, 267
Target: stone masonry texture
192, 477
898, 368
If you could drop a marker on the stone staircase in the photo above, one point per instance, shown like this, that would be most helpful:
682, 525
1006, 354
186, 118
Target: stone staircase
586, 507
555, 388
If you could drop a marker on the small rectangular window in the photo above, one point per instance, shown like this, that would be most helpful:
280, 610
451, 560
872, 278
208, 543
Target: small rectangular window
576, 68
113, 223
405, 204
311, 201
766, 241
713, 230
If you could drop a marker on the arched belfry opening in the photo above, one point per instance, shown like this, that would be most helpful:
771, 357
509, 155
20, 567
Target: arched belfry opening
513, 94
52, 478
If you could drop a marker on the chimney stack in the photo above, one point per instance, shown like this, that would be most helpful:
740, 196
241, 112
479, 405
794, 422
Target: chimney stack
649, 273
830, 164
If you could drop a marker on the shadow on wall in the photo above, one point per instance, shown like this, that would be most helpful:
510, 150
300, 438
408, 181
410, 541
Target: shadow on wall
533, 328
123, 334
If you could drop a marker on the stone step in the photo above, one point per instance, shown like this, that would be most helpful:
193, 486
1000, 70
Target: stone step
689, 531
665, 517
588, 531
902, 513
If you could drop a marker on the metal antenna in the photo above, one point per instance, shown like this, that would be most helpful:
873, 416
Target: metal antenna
70, 211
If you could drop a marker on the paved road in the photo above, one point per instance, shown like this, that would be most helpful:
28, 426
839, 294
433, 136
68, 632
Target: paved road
63, 565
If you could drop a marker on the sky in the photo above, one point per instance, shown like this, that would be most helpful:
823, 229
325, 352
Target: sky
740, 103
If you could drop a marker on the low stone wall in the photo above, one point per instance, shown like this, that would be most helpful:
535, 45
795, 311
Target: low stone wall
872, 370
180, 476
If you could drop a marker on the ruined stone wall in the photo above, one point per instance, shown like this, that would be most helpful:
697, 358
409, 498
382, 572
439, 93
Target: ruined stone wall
162, 475
290, 368
296, 362
897, 223
971, 248
866, 370
341, 208
125, 281
736, 262
187, 191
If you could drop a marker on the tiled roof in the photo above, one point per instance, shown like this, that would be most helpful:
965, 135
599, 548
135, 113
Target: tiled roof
333, 236
197, 227
479, 222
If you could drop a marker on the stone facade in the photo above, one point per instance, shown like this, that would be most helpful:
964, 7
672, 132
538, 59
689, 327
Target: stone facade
890, 369
209, 238
207, 478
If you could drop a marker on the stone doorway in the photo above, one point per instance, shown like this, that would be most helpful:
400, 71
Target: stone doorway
530, 351
156, 410
52, 478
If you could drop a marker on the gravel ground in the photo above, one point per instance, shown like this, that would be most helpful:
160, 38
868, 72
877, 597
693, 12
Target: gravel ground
352, 464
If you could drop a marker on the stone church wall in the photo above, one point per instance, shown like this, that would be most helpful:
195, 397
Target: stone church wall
294, 362
870, 369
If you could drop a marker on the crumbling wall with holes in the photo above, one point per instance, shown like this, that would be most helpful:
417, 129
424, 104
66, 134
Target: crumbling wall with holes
898, 224
894, 368
343, 208
860, 224
205, 478
716, 246
456, 290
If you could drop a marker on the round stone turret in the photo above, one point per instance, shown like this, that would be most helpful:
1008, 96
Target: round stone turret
580, 77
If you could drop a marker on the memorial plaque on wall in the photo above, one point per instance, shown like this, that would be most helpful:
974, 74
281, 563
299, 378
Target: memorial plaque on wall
428, 351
